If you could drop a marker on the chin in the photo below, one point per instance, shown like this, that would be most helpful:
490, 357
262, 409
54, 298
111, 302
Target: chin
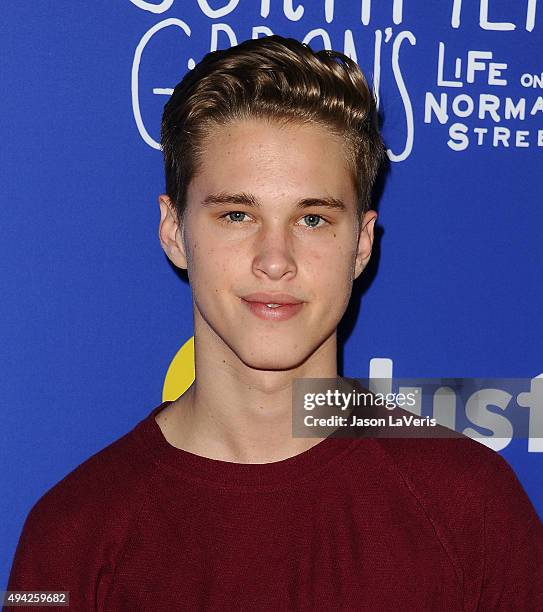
261, 360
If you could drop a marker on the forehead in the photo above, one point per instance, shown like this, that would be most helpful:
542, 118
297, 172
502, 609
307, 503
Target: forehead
273, 160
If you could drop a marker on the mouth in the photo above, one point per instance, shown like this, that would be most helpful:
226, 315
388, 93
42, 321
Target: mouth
273, 310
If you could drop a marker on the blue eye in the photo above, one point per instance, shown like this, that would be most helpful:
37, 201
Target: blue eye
237, 214
313, 218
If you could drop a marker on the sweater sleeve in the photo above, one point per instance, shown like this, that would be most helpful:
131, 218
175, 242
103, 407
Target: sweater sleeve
56, 552
75, 533
513, 546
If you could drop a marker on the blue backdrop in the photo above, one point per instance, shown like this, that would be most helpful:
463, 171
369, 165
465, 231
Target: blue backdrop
92, 314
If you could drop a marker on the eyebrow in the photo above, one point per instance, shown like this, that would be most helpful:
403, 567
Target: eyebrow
247, 199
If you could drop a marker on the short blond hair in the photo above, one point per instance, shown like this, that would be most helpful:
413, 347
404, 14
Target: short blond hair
273, 78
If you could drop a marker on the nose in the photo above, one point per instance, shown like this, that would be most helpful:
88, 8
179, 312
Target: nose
274, 253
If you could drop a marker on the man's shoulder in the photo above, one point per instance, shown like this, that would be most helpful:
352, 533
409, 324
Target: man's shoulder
109, 483
456, 456
74, 533
455, 474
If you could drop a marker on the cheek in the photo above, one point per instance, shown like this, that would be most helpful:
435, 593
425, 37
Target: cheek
335, 259
210, 269
333, 271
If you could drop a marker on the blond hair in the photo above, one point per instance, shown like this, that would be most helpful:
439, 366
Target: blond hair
271, 78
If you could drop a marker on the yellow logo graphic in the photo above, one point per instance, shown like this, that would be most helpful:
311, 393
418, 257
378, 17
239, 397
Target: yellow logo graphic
180, 374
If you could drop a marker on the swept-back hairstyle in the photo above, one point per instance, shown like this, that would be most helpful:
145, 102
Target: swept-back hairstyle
273, 78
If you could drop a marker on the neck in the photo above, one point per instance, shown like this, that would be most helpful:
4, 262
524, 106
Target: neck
233, 412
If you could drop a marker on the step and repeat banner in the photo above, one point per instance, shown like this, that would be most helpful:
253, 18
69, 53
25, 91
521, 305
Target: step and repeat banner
97, 324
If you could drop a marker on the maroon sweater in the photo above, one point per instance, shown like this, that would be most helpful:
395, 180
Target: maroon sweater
350, 524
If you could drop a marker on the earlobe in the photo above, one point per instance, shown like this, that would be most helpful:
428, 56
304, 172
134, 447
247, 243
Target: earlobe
365, 241
170, 233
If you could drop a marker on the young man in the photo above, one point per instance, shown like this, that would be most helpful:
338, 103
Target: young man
210, 503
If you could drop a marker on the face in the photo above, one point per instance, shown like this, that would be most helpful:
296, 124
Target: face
271, 209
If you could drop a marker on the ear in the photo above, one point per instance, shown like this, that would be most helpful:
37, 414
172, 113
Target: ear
170, 233
365, 241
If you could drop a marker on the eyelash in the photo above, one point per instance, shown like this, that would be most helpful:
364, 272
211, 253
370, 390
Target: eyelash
225, 219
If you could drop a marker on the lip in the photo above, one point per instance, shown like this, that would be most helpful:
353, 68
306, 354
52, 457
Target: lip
281, 313
272, 298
